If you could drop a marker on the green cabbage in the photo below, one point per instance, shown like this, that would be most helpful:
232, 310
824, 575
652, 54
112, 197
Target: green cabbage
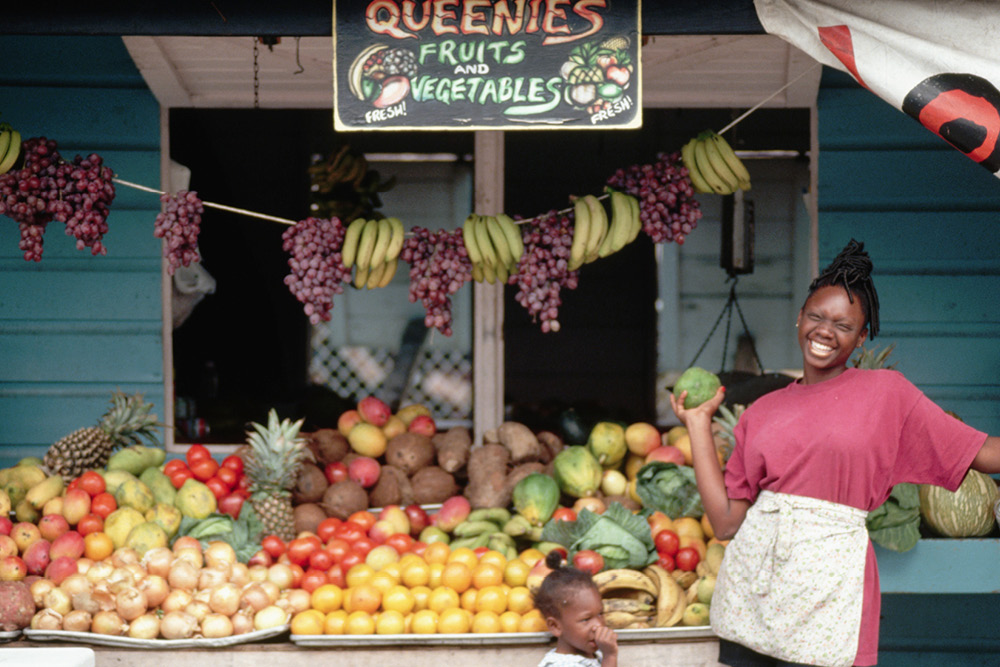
895, 524
622, 538
669, 488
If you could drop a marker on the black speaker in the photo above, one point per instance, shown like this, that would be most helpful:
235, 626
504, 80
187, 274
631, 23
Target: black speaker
737, 234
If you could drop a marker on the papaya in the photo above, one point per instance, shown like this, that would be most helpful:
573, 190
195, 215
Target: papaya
195, 500
607, 443
536, 497
161, 486
145, 536
133, 493
115, 478
577, 472
136, 458
168, 516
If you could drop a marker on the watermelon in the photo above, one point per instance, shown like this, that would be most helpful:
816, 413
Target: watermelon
966, 512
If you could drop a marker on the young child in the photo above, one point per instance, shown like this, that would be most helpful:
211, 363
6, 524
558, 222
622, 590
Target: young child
571, 604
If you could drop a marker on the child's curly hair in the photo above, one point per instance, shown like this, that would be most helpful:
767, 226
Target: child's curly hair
560, 585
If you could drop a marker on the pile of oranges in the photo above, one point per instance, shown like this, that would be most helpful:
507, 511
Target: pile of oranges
439, 591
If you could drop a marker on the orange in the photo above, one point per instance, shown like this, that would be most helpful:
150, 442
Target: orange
706, 527
434, 572
421, 594
442, 598
689, 526
494, 557
383, 581
486, 621
361, 573
487, 574
464, 555
519, 599
531, 556
510, 621
98, 546
516, 572
381, 556
437, 552
335, 622
457, 576
399, 598
454, 621
308, 622
394, 569
390, 623
491, 598
424, 622
532, 622
327, 598
359, 623
409, 559
364, 598
467, 600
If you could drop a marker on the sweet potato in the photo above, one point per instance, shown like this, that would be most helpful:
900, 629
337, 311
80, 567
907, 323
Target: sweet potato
453, 448
16, 605
521, 442
393, 488
488, 476
552, 442
344, 499
432, 485
410, 452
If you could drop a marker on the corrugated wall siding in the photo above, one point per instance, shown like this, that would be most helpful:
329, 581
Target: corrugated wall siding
930, 219
74, 327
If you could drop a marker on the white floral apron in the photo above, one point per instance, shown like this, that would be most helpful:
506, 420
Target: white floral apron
792, 580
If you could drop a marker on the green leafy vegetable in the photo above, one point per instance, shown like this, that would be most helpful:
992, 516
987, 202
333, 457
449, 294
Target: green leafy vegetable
669, 488
895, 524
622, 538
242, 534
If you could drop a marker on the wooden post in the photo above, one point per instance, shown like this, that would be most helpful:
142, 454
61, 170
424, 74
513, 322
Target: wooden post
487, 300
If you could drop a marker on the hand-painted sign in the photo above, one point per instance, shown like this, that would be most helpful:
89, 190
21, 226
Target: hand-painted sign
486, 64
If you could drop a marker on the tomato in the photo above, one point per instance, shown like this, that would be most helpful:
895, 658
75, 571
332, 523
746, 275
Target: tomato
231, 504
313, 579
419, 519
349, 531
418, 548
321, 559
687, 558
364, 518
301, 548
73, 484
92, 523
179, 477
324, 531
204, 469
363, 545
335, 472
243, 483
338, 548
350, 559
589, 561
401, 542
667, 562
234, 463
173, 466
197, 453
103, 504
335, 576
217, 487
228, 476
297, 574
667, 542
260, 558
564, 514
479, 551
273, 545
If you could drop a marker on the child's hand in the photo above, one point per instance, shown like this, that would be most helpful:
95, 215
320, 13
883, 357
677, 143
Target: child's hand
607, 642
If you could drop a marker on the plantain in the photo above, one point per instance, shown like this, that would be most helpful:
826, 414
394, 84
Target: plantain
633, 205
581, 231
732, 161
382, 239
375, 273
469, 238
366, 246
4, 143
698, 181
349, 249
396, 242
513, 234
599, 226
499, 241
390, 271
489, 253
13, 150
624, 578
670, 602
719, 163
477, 273
715, 181
619, 620
360, 277
626, 604
644, 597
621, 221
684, 578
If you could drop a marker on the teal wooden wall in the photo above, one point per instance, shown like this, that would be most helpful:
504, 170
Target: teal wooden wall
74, 327
930, 219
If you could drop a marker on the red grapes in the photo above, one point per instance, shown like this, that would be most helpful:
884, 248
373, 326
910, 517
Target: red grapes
317, 270
667, 206
542, 271
178, 225
439, 266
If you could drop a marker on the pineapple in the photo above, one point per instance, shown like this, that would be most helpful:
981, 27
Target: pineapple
272, 465
868, 359
127, 422
722, 428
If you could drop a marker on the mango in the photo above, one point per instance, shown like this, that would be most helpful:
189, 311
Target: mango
25, 512
168, 516
145, 536
161, 486
5, 505
27, 475
16, 491
136, 458
44, 491
195, 500
120, 523
133, 493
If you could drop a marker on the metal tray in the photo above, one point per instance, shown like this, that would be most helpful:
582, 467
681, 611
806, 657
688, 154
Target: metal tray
487, 639
9, 635
157, 644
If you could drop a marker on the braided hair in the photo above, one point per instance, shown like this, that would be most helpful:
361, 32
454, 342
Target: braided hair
559, 586
851, 269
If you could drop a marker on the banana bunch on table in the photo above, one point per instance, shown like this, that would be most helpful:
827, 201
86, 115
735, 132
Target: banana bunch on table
494, 245
713, 165
10, 148
632, 599
372, 248
595, 234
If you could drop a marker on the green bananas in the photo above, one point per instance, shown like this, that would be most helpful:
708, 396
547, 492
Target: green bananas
372, 248
713, 165
494, 245
10, 149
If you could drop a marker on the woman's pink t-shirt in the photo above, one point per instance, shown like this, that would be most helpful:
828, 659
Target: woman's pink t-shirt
849, 440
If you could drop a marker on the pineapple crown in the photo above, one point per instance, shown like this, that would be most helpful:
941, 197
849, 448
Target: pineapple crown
276, 452
869, 359
128, 421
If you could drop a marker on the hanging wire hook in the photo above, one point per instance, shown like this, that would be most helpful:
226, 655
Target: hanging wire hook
298, 62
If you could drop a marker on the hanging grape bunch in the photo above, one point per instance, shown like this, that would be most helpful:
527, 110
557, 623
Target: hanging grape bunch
178, 224
667, 206
317, 271
439, 266
543, 270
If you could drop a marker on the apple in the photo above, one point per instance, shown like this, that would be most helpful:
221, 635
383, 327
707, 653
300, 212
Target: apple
69, 544
666, 454
424, 425
395, 426
36, 558
613, 483
347, 420
6, 525
8, 547
52, 526
12, 568
408, 412
76, 505
25, 534
374, 411
364, 470
335, 471
419, 519
642, 438
397, 516
432, 534
589, 561
381, 530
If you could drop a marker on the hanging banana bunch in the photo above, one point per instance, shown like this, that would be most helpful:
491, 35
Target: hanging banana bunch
713, 165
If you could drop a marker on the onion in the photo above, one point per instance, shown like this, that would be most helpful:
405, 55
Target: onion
210, 577
240, 574
39, 589
183, 575
146, 626
189, 554
203, 594
131, 603
272, 590
108, 623
216, 625
120, 577
77, 620
254, 597
242, 621
178, 625
46, 619
199, 609
281, 575
186, 542
299, 599
58, 601
103, 598
219, 554
270, 617
225, 599
83, 564
257, 573
176, 600
100, 571
158, 560
76, 583
138, 572
122, 556
156, 588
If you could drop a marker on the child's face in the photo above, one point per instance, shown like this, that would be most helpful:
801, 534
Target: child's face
580, 618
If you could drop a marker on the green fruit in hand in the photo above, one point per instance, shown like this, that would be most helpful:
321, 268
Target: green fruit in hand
699, 384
